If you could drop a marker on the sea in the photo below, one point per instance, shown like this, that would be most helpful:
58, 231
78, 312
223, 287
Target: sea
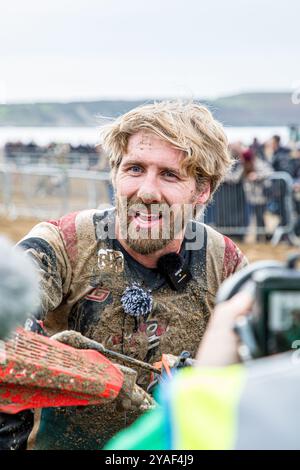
90, 135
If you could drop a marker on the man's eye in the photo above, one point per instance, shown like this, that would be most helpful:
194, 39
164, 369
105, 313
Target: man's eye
169, 174
135, 169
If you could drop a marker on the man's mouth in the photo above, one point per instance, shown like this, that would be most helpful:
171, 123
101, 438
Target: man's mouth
146, 219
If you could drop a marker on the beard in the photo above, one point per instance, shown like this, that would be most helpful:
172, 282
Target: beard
169, 223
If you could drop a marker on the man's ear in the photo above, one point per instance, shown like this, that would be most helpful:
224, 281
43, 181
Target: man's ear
203, 195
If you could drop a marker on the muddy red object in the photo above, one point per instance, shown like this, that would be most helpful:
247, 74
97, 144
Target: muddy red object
37, 372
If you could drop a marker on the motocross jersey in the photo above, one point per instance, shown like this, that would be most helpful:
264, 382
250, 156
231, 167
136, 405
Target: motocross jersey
79, 293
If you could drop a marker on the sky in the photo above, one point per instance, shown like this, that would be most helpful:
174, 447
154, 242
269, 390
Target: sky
63, 50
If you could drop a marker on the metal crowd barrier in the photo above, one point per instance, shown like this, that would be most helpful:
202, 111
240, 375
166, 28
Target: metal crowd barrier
46, 192
233, 214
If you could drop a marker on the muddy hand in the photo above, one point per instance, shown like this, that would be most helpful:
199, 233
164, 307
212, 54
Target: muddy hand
131, 396
76, 340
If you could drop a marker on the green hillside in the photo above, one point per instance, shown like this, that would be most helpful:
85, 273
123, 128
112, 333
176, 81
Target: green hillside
248, 109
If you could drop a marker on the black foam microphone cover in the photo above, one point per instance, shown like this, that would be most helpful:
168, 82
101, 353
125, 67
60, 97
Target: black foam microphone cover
174, 269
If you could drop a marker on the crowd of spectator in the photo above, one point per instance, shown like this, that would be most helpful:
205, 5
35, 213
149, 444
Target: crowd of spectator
249, 188
55, 154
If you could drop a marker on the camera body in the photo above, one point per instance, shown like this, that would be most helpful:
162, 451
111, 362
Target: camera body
275, 318
274, 322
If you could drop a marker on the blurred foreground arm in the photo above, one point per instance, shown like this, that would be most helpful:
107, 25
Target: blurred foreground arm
19, 299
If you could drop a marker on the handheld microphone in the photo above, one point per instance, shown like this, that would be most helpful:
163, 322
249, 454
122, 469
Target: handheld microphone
19, 292
174, 269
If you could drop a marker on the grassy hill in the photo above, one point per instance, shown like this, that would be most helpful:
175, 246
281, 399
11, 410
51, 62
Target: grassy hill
257, 109
247, 109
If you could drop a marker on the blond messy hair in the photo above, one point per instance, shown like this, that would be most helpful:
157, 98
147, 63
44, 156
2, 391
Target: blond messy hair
187, 126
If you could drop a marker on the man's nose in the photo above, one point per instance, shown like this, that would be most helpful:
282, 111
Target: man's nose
149, 191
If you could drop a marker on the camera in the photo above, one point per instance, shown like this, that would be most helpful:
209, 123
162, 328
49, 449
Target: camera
273, 325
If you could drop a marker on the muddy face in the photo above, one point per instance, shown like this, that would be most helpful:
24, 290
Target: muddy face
148, 228
155, 197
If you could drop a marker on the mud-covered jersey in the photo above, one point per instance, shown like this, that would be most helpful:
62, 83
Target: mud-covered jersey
78, 295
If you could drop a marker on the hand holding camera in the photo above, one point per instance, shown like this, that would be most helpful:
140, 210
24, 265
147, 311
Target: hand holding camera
257, 314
